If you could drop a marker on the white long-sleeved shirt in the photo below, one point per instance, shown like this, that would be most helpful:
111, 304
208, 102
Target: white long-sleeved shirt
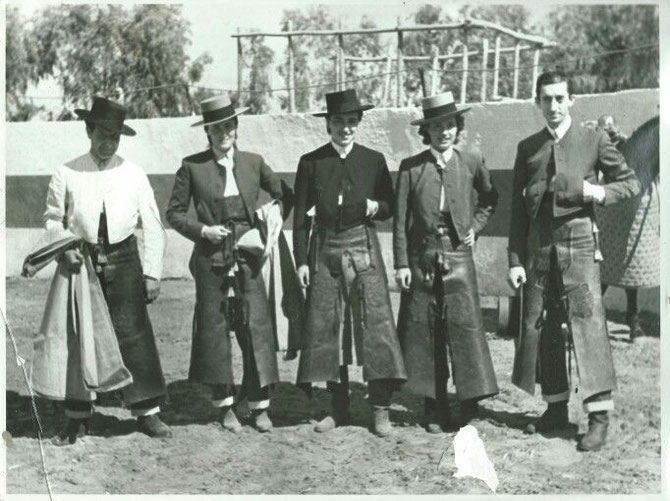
77, 191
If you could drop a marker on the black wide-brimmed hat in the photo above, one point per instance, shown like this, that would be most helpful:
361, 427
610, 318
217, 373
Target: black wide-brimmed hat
438, 107
344, 101
217, 109
109, 113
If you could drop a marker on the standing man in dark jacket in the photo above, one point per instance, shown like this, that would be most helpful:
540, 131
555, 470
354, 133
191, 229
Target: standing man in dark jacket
341, 189
552, 236
434, 231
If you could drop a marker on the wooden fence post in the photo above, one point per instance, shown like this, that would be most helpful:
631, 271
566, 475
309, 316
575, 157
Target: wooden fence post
485, 63
436, 76
464, 75
399, 67
517, 61
496, 68
291, 70
240, 66
387, 78
342, 72
536, 70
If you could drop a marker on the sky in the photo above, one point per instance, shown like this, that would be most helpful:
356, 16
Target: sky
213, 23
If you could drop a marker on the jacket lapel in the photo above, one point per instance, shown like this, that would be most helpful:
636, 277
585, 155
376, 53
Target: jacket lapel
246, 185
218, 185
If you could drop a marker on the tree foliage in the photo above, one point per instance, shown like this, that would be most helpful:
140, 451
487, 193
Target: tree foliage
584, 30
19, 67
315, 58
118, 52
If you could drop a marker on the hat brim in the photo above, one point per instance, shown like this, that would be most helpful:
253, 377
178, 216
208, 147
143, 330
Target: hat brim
84, 114
364, 107
238, 111
422, 121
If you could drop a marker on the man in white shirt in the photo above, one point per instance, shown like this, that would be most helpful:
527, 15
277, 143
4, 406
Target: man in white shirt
552, 236
101, 198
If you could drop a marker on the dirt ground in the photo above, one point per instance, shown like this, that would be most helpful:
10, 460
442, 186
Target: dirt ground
201, 458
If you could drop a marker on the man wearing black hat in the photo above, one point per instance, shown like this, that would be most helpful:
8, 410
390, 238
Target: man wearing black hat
552, 236
99, 198
341, 189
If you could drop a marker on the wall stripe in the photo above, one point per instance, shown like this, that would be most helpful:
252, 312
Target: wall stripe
26, 197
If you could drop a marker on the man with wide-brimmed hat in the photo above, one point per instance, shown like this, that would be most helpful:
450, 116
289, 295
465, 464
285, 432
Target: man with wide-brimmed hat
224, 184
435, 227
554, 255
341, 189
100, 198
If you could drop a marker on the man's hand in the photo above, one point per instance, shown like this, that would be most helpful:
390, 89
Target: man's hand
403, 276
372, 208
73, 259
215, 234
303, 275
593, 193
152, 288
517, 276
469, 238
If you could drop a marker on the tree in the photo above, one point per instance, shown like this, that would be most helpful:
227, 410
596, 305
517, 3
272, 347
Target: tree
315, 62
585, 30
119, 52
259, 58
19, 69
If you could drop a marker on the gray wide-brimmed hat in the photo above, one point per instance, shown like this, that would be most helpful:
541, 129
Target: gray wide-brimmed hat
218, 109
438, 107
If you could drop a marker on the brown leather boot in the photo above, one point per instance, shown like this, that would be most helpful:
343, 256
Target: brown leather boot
596, 436
153, 426
553, 419
74, 428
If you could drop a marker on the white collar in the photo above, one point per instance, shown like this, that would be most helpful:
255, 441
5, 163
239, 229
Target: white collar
343, 151
227, 159
442, 157
562, 128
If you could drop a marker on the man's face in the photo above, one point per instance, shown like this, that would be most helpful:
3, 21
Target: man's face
343, 127
555, 103
442, 133
222, 135
104, 141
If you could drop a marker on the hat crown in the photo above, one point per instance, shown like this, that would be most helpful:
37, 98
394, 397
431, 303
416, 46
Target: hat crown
215, 103
107, 110
444, 99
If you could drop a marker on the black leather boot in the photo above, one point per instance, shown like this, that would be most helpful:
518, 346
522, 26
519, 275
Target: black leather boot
596, 436
339, 415
153, 426
74, 428
469, 411
437, 417
553, 419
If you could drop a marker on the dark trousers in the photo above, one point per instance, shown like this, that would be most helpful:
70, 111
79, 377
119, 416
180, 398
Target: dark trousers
250, 387
554, 379
379, 390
